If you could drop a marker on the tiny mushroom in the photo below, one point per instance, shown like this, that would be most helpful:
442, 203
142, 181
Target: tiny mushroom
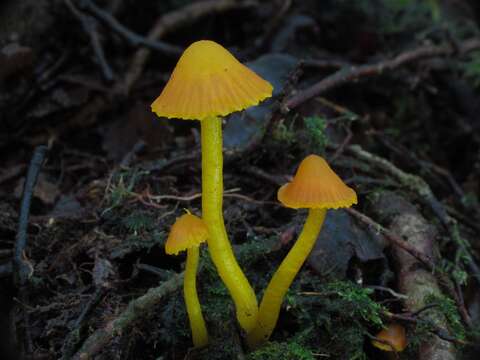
392, 338
188, 233
316, 187
206, 83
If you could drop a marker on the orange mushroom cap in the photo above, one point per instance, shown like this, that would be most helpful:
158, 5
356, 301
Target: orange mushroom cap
188, 231
394, 334
209, 81
316, 186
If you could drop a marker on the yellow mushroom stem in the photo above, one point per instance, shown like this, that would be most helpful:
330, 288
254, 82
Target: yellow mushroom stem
212, 214
283, 278
194, 311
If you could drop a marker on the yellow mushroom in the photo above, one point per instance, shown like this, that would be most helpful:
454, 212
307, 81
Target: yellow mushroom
393, 338
206, 83
188, 233
316, 187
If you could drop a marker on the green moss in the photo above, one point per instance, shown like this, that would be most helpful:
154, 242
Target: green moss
121, 187
139, 221
449, 310
339, 313
357, 302
218, 308
315, 130
291, 350
254, 249
284, 134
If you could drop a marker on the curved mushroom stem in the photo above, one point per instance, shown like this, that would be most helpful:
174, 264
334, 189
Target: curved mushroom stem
283, 278
194, 311
212, 213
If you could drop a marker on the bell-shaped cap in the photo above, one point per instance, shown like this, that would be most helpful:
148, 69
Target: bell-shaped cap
208, 81
316, 186
188, 231
394, 334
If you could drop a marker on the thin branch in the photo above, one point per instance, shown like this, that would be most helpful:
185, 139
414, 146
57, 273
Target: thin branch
390, 291
263, 175
133, 38
352, 73
72, 339
89, 26
394, 239
22, 269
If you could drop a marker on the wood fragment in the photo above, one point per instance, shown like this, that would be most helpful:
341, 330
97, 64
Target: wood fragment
415, 281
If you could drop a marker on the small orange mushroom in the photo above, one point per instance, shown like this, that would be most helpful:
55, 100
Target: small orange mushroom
188, 233
206, 83
393, 338
316, 187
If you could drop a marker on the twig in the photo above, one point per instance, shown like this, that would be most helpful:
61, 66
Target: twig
145, 197
72, 339
325, 63
22, 269
394, 239
425, 308
263, 175
251, 200
133, 38
351, 73
390, 291
89, 26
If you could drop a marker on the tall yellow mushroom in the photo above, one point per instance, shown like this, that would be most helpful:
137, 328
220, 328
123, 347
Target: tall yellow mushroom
316, 187
209, 82
188, 233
